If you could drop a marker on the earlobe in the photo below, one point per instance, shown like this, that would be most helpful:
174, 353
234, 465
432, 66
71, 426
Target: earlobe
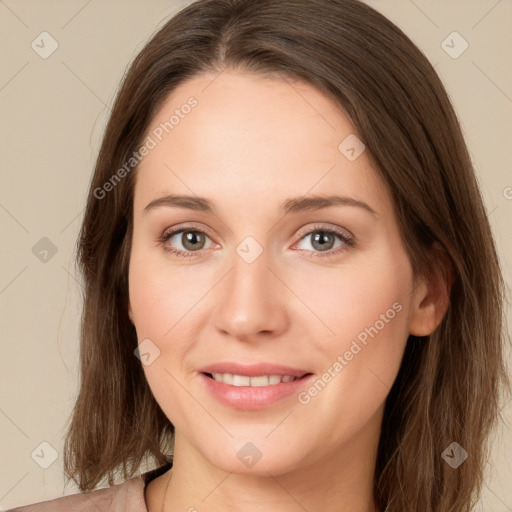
432, 296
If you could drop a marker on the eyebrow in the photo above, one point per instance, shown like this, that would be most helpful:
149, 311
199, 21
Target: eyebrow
291, 205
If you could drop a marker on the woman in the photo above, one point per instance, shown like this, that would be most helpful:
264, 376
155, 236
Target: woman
334, 339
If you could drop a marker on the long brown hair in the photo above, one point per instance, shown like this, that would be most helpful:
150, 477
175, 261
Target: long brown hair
449, 384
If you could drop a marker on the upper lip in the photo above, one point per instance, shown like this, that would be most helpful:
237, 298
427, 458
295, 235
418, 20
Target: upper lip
252, 370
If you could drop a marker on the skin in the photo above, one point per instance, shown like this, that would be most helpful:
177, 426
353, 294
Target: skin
251, 143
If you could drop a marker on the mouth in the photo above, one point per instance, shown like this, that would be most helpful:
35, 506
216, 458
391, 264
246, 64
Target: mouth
251, 388
253, 381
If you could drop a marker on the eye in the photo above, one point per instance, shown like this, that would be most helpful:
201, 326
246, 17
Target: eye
192, 241
190, 238
324, 240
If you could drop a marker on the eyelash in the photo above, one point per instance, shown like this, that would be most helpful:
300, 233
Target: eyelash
348, 241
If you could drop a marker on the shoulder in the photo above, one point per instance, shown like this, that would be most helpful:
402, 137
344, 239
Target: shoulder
125, 497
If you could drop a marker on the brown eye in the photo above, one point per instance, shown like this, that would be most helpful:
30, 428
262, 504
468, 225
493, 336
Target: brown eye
323, 240
184, 241
192, 240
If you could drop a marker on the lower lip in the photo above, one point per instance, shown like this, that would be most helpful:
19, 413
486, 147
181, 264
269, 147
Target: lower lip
253, 397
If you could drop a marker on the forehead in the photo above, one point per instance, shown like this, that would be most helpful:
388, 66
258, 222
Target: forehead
249, 137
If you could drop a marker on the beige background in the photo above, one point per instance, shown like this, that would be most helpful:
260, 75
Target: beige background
53, 115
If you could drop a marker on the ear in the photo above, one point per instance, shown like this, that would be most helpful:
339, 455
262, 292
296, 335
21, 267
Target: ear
432, 295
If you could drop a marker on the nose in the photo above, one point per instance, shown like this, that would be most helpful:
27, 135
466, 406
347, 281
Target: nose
251, 302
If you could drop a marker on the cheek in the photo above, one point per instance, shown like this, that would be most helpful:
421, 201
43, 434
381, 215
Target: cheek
160, 297
362, 317
160, 293
347, 299
365, 307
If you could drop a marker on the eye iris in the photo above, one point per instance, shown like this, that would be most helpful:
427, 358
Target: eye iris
192, 237
322, 238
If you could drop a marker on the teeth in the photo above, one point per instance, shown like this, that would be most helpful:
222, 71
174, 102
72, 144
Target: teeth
241, 380
244, 380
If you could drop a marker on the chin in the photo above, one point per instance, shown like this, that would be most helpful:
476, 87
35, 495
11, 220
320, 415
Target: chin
258, 457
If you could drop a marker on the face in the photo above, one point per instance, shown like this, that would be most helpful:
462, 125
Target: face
252, 278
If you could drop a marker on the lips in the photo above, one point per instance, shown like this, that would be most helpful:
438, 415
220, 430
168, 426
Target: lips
252, 387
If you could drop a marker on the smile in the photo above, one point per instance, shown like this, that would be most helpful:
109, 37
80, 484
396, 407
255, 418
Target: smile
256, 381
251, 393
